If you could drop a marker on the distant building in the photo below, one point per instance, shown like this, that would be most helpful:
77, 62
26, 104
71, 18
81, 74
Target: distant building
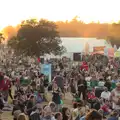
77, 45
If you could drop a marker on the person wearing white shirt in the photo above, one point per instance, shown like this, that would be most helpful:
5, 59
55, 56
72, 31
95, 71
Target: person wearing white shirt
105, 94
101, 83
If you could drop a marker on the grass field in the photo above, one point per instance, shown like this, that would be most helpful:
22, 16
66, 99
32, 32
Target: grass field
67, 102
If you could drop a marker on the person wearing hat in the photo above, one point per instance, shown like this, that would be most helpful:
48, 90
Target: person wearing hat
115, 97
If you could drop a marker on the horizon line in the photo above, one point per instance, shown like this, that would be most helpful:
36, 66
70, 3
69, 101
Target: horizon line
84, 22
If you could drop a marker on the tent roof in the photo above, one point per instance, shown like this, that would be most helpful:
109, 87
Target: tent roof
78, 44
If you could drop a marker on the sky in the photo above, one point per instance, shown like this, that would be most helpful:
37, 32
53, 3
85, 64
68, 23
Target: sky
14, 11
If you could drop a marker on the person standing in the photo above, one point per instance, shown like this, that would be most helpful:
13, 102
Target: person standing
115, 97
59, 80
56, 96
82, 87
30, 105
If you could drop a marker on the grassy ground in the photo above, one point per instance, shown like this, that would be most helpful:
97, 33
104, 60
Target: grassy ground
67, 102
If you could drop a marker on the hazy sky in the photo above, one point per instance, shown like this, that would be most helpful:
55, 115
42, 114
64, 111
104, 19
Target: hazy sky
13, 11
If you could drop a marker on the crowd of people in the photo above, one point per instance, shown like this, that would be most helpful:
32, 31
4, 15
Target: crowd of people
92, 85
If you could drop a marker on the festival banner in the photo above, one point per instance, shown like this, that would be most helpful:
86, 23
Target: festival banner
46, 70
99, 48
111, 52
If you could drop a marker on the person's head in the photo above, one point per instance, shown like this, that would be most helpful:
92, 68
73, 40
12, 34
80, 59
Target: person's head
80, 103
105, 89
47, 111
114, 113
66, 113
29, 87
101, 112
15, 102
16, 114
93, 115
55, 86
28, 96
39, 107
52, 106
22, 116
44, 106
58, 73
58, 116
75, 105
18, 94
118, 86
81, 108
101, 79
1, 95
32, 98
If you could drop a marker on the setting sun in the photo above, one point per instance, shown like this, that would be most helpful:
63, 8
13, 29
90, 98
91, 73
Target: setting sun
13, 11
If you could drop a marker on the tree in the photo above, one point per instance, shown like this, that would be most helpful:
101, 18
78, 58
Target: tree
37, 38
9, 32
114, 41
114, 34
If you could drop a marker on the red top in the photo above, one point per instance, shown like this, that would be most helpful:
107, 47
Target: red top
105, 108
7, 84
38, 59
91, 95
84, 66
1, 84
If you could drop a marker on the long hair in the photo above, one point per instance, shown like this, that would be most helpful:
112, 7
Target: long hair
64, 109
22, 116
93, 115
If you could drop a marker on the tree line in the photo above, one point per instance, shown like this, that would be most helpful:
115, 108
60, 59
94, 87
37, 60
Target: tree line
33, 37
73, 28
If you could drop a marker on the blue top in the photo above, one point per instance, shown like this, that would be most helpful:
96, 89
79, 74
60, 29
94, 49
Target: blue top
113, 118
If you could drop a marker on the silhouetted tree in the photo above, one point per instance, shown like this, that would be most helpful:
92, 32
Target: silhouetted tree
9, 32
114, 34
37, 38
73, 28
77, 28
